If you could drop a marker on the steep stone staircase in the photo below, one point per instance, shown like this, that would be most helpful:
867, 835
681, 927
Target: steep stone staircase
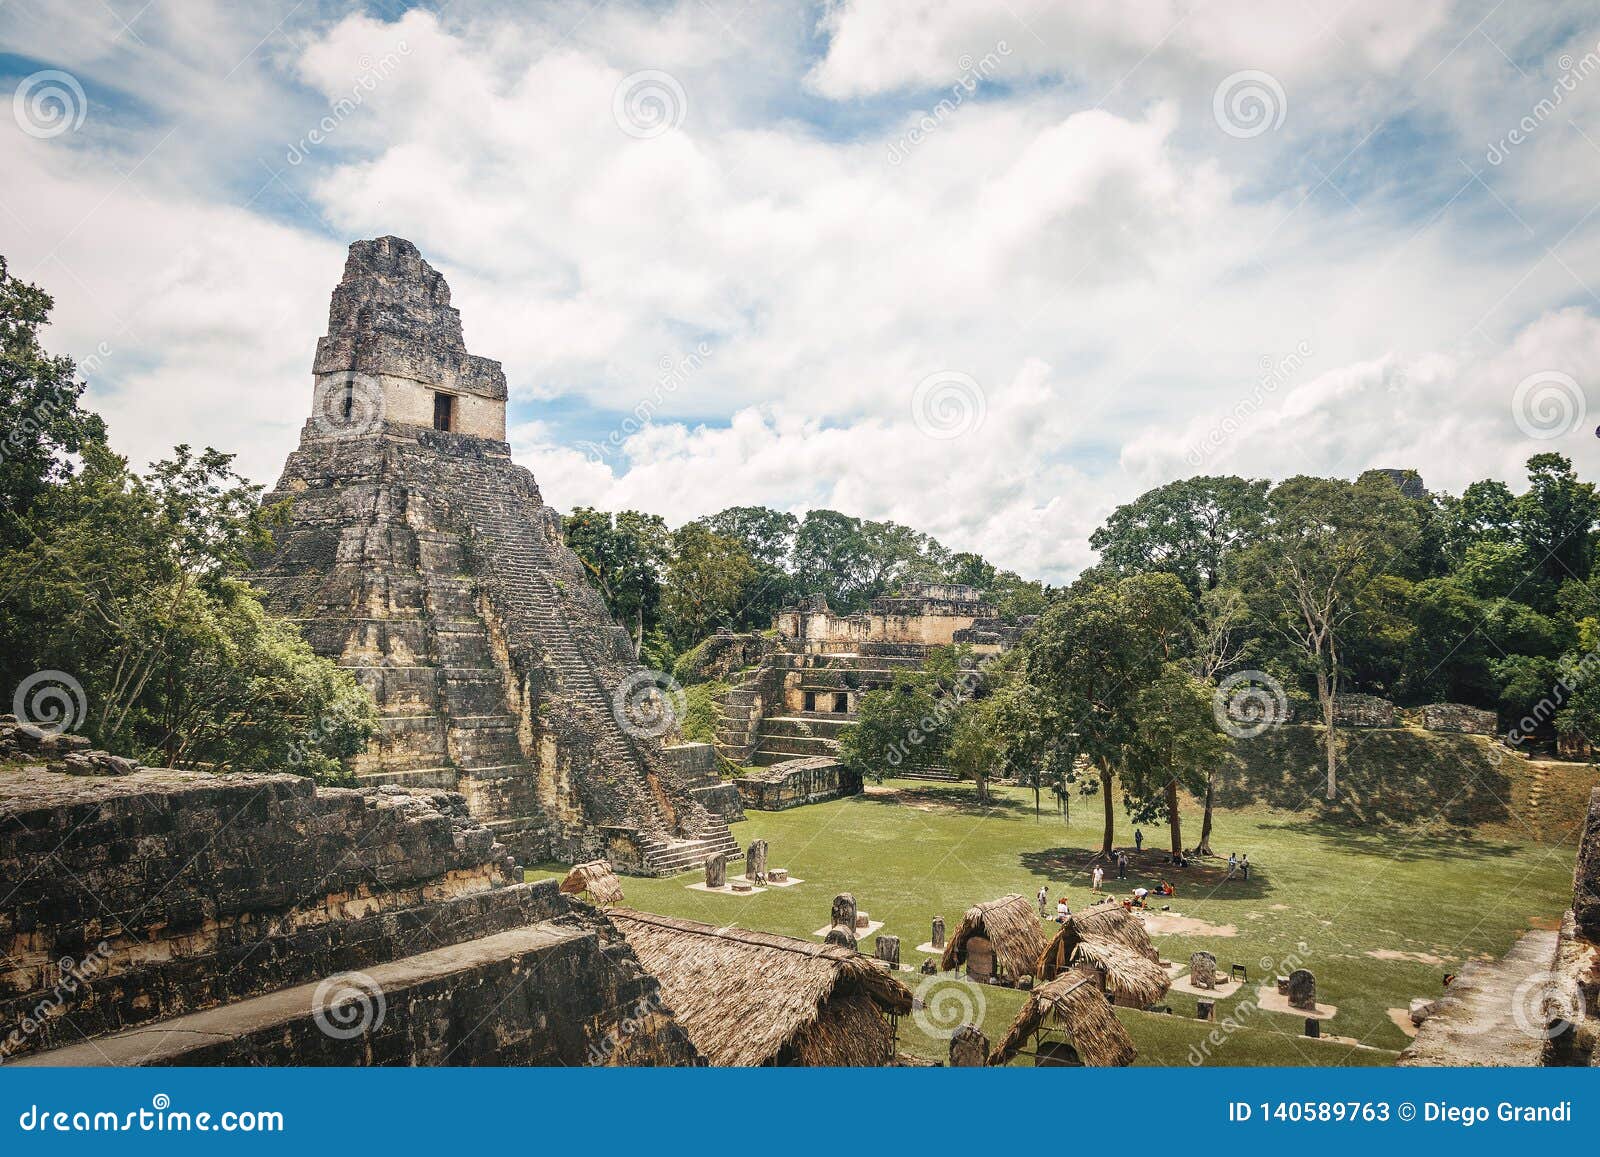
516, 563
739, 717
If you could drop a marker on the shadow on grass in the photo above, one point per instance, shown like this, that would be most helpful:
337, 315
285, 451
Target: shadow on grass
1403, 846
954, 797
1206, 877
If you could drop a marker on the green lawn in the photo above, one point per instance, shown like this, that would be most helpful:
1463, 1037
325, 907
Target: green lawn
1324, 893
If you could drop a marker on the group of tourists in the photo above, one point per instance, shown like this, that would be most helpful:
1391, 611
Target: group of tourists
1238, 866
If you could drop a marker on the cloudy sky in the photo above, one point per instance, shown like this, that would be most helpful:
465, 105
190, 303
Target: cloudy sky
984, 267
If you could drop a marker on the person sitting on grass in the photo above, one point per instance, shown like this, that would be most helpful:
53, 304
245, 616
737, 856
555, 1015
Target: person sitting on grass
1063, 910
1139, 895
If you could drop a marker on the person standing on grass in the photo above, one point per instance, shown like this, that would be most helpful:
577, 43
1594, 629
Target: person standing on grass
1138, 839
1122, 865
1233, 864
1097, 876
1044, 900
1244, 865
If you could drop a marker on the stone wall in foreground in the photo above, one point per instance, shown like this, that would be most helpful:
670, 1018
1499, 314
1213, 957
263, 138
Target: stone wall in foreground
181, 917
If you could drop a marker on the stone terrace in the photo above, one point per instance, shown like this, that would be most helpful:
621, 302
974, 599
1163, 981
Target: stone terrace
181, 917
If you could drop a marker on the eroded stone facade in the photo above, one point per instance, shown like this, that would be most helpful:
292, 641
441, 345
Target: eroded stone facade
807, 686
215, 909
426, 561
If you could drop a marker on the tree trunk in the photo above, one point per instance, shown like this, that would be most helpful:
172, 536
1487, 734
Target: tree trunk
1325, 693
1174, 820
1111, 815
1203, 848
980, 777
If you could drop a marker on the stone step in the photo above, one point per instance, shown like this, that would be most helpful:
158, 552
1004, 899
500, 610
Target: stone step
169, 1042
441, 777
1476, 1020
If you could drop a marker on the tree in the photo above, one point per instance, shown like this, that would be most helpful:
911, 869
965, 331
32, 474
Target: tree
830, 559
708, 578
1175, 743
768, 537
45, 426
1324, 542
1556, 522
1222, 642
128, 584
1093, 654
1447, 657
910, 724
625, 556
1187, 528
970, 570
1015, 597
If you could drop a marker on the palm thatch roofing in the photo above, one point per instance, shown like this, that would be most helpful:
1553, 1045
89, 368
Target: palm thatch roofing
1011, 925
597, 879
755, 998
1107, 923
1132, 979
1074, 1005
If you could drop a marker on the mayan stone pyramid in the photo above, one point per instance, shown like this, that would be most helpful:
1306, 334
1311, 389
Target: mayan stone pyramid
419, 555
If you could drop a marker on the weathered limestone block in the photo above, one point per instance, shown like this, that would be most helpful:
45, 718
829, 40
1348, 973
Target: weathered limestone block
887, 949
936, 938
1203, 969
1353, 710
1458, 717
717, 872
755, 862
841, 935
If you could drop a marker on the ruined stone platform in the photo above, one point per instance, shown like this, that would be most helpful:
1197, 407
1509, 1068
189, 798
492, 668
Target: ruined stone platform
165, 917
421, 557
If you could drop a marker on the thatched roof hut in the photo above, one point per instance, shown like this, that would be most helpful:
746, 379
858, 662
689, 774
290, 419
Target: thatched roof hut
597, 879
755, 998
1103, 922
1009, 928
1132, 980
1113, 940
1069, 1011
